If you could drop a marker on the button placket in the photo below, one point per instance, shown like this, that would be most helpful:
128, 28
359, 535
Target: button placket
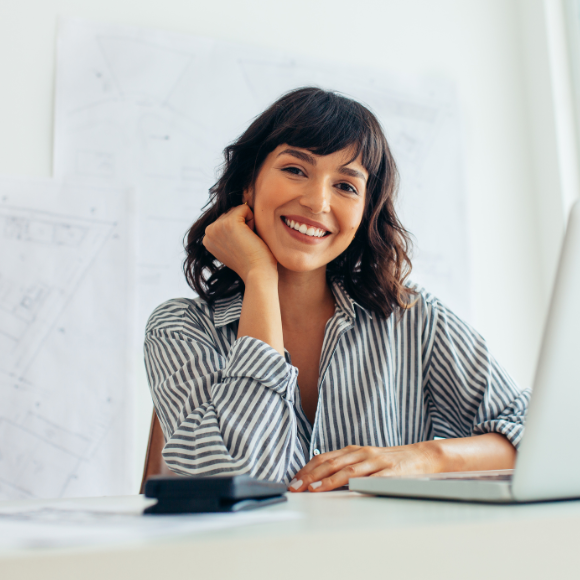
343, 324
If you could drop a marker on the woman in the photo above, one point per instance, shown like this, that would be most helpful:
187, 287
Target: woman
307, 358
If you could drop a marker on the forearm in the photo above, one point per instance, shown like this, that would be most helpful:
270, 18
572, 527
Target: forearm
220, 438
244, 422
261, 317
477, 453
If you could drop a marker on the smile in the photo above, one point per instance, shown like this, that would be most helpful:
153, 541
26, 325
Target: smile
305, 229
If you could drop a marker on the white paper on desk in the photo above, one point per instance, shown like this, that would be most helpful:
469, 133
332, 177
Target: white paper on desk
156, 109
112, 521
65, 429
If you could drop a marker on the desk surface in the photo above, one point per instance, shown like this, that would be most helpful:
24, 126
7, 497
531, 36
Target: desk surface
340, 535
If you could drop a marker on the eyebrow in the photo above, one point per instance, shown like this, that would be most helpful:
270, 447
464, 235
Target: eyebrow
312, 160
299, 155
352, 173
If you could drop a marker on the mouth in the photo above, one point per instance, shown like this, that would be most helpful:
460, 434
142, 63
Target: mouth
306, 230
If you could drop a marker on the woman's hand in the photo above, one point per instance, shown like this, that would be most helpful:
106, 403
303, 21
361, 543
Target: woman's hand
476, 453
231, 239
334, 469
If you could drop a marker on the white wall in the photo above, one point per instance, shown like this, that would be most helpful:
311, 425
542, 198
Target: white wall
484, 46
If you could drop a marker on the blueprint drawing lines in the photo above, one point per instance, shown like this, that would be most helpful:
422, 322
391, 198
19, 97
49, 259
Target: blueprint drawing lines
33, 288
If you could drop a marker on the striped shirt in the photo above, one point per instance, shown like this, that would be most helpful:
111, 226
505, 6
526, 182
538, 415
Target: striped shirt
231, 405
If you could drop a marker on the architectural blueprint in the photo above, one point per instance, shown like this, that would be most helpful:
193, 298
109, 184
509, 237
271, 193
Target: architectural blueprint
64, 286
155, 109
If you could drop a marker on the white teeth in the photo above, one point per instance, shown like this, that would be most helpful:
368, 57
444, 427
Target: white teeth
304, 229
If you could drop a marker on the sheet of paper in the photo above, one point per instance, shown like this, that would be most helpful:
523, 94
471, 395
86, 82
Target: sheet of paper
64, 287
109, 521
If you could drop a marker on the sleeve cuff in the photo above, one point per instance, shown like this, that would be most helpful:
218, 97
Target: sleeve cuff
250, 358
511, 421
513, 432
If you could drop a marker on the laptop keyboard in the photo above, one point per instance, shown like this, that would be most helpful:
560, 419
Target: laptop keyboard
498, 475
483, 478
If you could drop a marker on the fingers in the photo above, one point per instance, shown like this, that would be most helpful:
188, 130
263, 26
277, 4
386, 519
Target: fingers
237, 214
242, 214
320, 459
232, 240
334, 469
245, 210
331, 470
228, 222
361, 466
341, 478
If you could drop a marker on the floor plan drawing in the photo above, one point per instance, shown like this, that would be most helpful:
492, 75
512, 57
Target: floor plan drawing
64, 284
31, 302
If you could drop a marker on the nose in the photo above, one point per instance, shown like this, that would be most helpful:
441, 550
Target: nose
317, 197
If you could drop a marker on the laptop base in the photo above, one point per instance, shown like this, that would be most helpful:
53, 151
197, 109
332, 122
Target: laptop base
478, 486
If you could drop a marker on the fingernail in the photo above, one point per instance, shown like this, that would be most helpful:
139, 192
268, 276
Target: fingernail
295, 484
316, 484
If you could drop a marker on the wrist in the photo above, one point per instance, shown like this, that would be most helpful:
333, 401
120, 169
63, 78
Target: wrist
436, 458
261, 276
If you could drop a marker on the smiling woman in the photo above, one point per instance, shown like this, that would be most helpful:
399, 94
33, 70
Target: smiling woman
308, 358
294, 136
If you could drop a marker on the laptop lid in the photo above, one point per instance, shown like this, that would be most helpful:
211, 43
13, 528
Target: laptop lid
548, 462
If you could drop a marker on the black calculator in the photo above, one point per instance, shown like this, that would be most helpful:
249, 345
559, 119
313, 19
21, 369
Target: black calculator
193, 494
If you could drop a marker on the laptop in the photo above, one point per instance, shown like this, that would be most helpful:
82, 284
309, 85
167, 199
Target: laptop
548, 461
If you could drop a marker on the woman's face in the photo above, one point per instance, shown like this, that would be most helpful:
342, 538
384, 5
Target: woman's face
307, 207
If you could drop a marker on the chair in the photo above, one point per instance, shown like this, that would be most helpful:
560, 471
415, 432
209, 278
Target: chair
154, 462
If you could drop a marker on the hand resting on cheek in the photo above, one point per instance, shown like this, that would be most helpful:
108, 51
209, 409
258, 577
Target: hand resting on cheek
231, 240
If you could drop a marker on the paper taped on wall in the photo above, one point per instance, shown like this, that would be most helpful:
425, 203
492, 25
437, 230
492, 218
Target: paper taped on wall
64, 283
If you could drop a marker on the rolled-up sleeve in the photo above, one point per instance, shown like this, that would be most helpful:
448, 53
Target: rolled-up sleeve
467, 391
221, 412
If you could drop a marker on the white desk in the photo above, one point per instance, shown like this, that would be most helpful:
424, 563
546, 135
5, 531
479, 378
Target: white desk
340, 535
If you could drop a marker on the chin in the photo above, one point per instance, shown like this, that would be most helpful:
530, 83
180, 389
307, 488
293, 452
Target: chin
299, 265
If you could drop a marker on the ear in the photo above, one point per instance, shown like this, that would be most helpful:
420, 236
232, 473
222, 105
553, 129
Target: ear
248, 196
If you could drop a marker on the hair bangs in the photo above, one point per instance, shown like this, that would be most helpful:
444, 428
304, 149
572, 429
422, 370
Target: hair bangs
325, 123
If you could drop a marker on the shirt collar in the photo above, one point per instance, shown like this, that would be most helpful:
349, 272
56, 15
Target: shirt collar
344, 300
228, 310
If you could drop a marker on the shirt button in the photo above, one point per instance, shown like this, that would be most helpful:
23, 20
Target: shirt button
316, 452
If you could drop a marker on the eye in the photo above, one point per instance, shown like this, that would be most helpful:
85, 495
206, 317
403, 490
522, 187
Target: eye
347, 187
293, 170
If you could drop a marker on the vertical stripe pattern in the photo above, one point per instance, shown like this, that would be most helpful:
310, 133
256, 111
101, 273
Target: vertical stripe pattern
232, 406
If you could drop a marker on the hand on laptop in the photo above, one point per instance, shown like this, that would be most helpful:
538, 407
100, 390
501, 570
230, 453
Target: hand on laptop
331, 470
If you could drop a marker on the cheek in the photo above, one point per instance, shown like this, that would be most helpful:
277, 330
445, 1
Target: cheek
273, 193
265, 206
264, 213
353, 221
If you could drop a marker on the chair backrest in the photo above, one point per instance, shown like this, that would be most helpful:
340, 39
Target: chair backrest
154, 462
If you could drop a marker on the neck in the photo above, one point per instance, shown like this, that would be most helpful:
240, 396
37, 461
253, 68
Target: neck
305, 298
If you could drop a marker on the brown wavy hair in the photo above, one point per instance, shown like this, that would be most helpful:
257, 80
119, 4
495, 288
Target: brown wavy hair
374, 267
